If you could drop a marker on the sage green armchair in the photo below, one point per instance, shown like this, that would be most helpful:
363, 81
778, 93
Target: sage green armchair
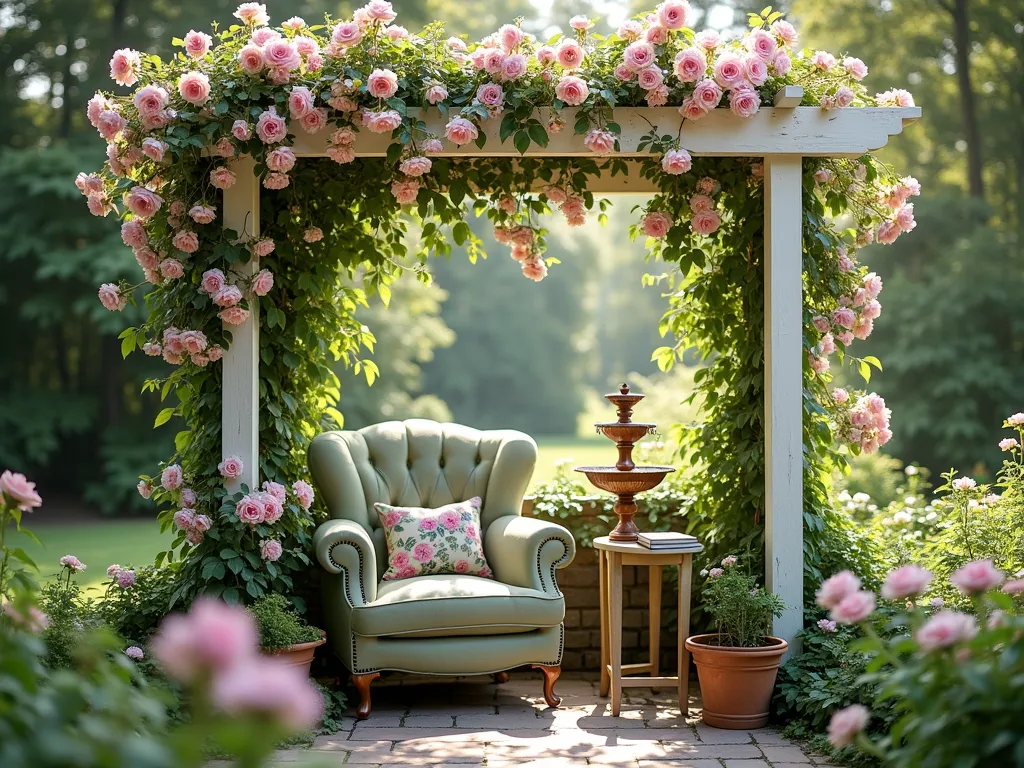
444, 624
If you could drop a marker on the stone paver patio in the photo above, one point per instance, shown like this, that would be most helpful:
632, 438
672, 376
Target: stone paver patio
473, 722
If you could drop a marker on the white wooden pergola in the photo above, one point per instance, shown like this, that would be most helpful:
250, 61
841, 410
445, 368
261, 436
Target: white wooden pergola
783, 136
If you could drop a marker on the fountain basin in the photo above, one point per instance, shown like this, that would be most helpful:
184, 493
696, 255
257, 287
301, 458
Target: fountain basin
628, 482
625, 433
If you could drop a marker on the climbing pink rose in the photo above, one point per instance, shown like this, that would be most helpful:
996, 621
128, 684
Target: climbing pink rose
843, 97
436, 94
16, 487
415, 166
978, 576
186, 241
171, 477
944, 629
194, 342
546, 55
263, 247
133, 233
691, 109
203, 523
700, 203
423, 552
406, 191
511, 37
708, 94
744, 101
214, 353
346, 34
572, 90
650, 78
674, 14
460, 131
857, 68
270, 550
706, 222
142, 202
570, 54
314, 121
822, 60
231, 466
194, 87
304, 492
276, 181
222, 178
249, 510
844, 316
599, 141
252, 13
172, 269
761, 43
154, 149
110, 124
729, 70
272, 507
202, 214
846, 724
639, 55
145, 489
382, 83
513, 67
281, 55
834, 589
676, 161
313, 235
906, 581
250, 59
300, 101
227, 296
853, 608
124, 66
241, 130
111, 297
271, 127
263, 282
188, 498
197, 44
184, 519
690, 64
89, 184
281, 159
490, 94
785, 32
781, 63
756, 69
656, 224
383, 122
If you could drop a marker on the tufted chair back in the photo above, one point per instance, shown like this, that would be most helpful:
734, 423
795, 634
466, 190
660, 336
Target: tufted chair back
420, 463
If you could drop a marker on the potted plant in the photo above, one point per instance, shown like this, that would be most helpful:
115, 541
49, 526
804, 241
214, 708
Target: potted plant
737, 664
283, 634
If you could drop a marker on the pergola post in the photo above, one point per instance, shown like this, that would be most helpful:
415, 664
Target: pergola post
783, 392
240, 420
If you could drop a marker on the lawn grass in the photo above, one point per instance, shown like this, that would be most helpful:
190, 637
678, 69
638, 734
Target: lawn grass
99, 543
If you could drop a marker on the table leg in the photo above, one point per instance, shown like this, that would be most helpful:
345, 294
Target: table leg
654, 618
602, 561
615, 625
685, 574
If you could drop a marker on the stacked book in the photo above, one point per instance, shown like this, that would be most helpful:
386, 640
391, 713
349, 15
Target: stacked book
669, 540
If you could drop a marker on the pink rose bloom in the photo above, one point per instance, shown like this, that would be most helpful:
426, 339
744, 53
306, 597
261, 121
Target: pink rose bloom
572, 90
855, 67
382, 83
843, 97
580, 23
905, 217
844, 316
428, 524
834, 589
656, 35
202, 214
708, 94
124, 66
314, 62
263, 247
212, 637
252, 13
761, 44
186, 241
827, 345
490, 94
599, 141
781, 63
72, 563
822, 324
570, 54
744, 101
194, 87
250, 59
89, 184
854, 608
304, 492
757, 70
494, 60
271, 127
154, 149
630, 30
978, 576
650, 78
150, 100
397, 32
194, 342
313, 235
269, 689
624, 73
450, 520
384, 122
785, 32
184, 519
133, 233
346, 34
1008, 444
546, 55
222, 178
314, 121
700, 203
112, 570
142, 202
888, 231
944, 629
188, 498
674, 14
379, 10
436, 94
692, 109
729, 70
460, 131
96, 105
172, 269
171, 477
270, 550
197, 44
300, 101
846, 724
906, 581
263, 282
249, 510
638, 55
231, 466
656, 224
125, 578
676, 161
281, 159
822, 60
1014, 587
707, 39
690, 64
111, 297
391, 519
423, 552
145, 489
110, 124
513, 67
281, 55
17, 488
511, 37
415, 166
227, 296
400, 559
276, 181
657, 97
405, 191
706, 222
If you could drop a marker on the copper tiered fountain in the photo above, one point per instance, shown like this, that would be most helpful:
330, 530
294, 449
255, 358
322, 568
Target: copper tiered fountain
625, 479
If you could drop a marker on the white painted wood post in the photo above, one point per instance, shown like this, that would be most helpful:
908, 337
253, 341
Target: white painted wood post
240, 421
783, 393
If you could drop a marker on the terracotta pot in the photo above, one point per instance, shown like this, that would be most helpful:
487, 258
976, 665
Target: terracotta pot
736, 683
301, 654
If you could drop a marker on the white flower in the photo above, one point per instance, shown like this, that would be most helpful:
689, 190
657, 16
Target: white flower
861, 498
910, 470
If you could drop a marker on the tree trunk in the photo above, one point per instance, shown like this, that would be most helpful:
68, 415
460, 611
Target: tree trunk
962, 41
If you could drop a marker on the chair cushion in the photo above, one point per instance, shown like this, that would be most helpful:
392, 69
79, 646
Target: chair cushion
422, 542
453, 605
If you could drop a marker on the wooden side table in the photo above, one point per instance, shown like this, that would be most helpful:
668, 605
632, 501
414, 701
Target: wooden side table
612, 556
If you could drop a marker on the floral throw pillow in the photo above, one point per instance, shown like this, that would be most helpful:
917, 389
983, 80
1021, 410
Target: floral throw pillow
424, 542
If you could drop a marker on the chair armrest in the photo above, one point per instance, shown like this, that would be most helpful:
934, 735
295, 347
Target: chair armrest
525, 552
344, 547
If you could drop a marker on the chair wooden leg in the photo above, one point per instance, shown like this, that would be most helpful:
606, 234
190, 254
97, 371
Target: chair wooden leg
550, 677
501, 677
362, 684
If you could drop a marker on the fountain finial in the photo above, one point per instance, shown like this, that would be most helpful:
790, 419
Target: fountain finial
624, 389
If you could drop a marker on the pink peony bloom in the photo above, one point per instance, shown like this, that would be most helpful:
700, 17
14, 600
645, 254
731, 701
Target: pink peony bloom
194, 87
854, 608
249, 510
639, 55
846, 724
460, 131
231, 466
656, 224
976, 577
111, 297
382, 83
125, 65
271, 127
300, 101
944, 629
572, 90
171, 477
705, 222
72, 563
197, 44
674, 14
270, 550
906, 581
125, 578
690, 64
834, 589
